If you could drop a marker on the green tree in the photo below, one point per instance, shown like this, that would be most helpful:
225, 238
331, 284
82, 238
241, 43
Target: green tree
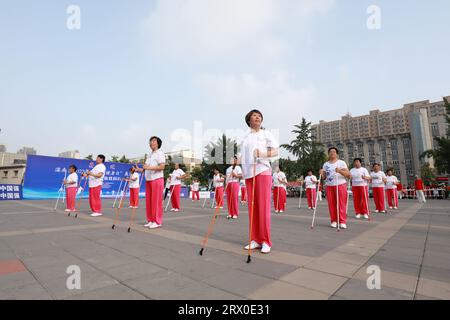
114, 159
310, 153
124, 160
441, 153
427, 174
90, 157
220, 152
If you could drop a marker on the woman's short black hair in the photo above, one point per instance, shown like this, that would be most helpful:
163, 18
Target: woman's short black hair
158, 140
333, 148
309, 170
357, 159
102, 157
390, 170
74, 167
249, 115
376, 164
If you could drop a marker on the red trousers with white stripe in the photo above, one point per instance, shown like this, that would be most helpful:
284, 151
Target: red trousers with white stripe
279, 198
218, 195
154, 200
260, 229
134, 197
233, 198
175, 196
196, 195
392, 197
311, 194
243, 194
378, 198
71, 194
333, 192
94, 199
360, 199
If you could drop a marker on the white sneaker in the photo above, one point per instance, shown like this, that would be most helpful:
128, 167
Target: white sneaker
265, 248
276, 211
176, 210
333, 225
309, 208
220, 207
96, 214
366, 216
131, 207
253, 245
172, 209
343, 226
228, 216
235, 217
67, 210
377, 211
148, 224
155, 225
281, 211
384, 211
358, 216
395, 208
390, 208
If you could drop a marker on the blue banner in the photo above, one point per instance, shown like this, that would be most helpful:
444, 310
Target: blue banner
44, 175
10, 192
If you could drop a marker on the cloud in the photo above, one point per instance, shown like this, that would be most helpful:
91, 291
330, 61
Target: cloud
211, 30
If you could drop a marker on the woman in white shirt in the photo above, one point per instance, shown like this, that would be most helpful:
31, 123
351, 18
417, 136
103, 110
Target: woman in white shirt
378, 184
218, 188
391, 189
175, 187
154, 183
279, 190
311, 189
71, 183
195, 188
335, 172
360, 189
243, 192
257, 148
233, 174
133, 181
96, 177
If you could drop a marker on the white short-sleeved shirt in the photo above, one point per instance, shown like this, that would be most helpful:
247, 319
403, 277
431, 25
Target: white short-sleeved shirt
311, 182
377, 179
357, 176
217, 183
236, 170
391, 182
277, 176
73, 177
256, 140
173, 177
134, 184
93, 181
156, 158
195, 186
332, 177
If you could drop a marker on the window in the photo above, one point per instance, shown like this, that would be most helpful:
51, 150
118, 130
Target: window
5, 174
16, 173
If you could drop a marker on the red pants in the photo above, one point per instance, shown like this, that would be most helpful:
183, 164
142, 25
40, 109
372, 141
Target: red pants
175, 196
71, 194
154, 200
218, 195
94, 199
392, 197
134, 197
260, 231
233, 198
378, 198
332, 202
243, 194
196, 195
311, 194
360, 199
279, 198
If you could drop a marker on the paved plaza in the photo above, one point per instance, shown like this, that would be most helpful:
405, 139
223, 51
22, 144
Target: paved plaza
411, 247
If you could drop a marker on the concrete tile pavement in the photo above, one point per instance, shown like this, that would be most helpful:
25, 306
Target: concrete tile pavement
411, 246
